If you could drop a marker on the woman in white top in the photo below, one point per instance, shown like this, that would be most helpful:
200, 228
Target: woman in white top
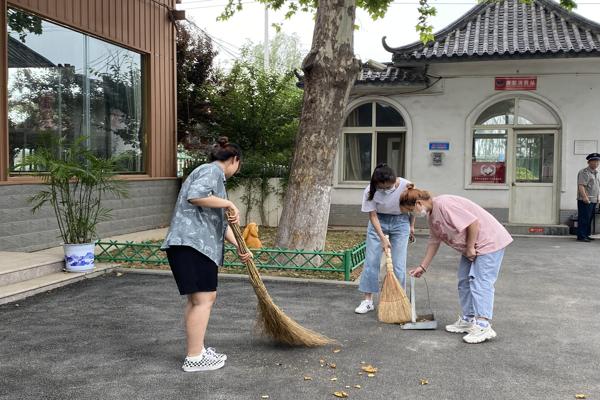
382, 201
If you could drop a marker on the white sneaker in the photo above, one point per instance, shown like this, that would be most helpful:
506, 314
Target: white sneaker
461, 326
205, 362
213, 352
364, 307
479, 334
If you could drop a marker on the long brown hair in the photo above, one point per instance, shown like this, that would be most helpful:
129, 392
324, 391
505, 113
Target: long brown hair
411, 195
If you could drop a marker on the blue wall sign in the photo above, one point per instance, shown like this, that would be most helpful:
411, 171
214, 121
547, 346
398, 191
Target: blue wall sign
439, 145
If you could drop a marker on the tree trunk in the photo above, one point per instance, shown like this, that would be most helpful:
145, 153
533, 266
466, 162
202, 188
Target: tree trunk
329, 73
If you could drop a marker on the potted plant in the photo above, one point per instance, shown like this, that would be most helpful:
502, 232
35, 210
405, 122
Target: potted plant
75, 181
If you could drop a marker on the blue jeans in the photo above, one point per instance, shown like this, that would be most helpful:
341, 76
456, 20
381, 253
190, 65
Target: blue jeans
476, 283
585, 213
398, 229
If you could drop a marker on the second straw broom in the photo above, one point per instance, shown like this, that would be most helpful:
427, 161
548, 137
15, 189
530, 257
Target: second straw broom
394, 307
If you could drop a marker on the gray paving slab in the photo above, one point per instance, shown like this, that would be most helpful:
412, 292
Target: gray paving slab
121, 337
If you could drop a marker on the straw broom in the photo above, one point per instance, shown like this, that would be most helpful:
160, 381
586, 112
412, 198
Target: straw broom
394, 307
273, 321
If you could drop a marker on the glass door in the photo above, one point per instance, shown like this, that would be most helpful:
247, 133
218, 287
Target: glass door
533, 190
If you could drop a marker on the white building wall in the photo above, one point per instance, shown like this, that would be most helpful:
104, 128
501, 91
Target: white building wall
569, 86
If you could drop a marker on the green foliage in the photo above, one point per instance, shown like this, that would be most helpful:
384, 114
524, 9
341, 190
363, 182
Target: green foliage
424, 28
259, 109
375, 8
23, 23
525, 174
75, 183
568, 4
285, 54
195, 76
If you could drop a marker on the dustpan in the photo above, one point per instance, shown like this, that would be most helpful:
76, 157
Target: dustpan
424, 322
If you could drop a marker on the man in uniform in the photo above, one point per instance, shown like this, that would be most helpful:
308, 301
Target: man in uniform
588, 192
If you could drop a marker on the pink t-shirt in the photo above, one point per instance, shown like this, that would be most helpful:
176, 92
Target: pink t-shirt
450, 217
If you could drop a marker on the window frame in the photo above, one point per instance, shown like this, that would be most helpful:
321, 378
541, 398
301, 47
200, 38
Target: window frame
373, 130
510, 139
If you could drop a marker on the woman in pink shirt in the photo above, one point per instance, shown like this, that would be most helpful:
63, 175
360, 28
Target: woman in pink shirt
480, 238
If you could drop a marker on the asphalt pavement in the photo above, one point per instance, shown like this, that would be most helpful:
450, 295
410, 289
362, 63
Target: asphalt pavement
122, 337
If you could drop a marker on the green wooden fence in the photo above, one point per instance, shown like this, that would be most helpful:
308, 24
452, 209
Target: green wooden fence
269, 259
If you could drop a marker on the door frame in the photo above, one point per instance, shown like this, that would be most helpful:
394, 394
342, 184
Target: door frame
512, 167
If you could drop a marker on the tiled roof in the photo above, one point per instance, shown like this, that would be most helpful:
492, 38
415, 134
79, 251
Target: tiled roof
507, 29
21, 56
392, 74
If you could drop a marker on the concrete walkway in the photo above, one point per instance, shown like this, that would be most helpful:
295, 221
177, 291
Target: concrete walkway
121, 337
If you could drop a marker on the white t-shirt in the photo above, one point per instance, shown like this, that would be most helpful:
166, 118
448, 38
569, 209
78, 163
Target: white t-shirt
384, 203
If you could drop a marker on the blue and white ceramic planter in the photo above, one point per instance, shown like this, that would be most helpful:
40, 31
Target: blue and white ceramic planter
79, 257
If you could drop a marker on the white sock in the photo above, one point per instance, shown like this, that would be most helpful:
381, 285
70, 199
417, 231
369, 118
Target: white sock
198, 357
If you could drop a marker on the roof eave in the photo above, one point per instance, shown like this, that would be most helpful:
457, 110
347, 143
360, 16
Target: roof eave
493, 57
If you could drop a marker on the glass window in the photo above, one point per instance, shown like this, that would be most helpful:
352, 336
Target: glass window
535, 158
501, 113
360, 116
489, 156
358, 157
359, 146
80, 87
114, 76
390, 150
531, 113
387, 116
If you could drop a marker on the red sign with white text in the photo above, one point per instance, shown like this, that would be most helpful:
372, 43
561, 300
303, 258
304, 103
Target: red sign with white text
515, 83
488, 172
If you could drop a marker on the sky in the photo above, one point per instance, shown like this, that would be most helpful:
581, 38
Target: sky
398, 24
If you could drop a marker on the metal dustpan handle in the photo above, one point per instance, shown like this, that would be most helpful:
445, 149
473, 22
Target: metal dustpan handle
413, 310
413, 302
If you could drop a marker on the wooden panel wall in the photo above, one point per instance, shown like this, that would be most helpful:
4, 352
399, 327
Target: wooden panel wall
141, 25
3, 94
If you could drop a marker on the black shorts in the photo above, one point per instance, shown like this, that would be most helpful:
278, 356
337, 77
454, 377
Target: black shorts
192, 270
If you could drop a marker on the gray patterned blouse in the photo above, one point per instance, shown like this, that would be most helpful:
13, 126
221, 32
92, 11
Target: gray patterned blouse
197, 227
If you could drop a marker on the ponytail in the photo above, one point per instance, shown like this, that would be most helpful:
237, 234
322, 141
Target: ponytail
381, 174
223, 150
411, 195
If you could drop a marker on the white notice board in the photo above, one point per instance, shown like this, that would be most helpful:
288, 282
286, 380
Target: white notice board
585, 147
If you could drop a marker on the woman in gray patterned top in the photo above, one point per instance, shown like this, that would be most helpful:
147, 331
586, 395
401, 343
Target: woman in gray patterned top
194, 246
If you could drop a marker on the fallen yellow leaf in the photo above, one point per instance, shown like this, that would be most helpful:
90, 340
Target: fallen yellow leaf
322, 361
264, 396
342, 395
370, 375
580, 396
336, 350
333, 366
357, 386
369, 368
424, 382
308, 378
333, 379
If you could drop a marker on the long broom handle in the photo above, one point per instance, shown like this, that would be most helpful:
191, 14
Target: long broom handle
250, 265
239, 238
389, 264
